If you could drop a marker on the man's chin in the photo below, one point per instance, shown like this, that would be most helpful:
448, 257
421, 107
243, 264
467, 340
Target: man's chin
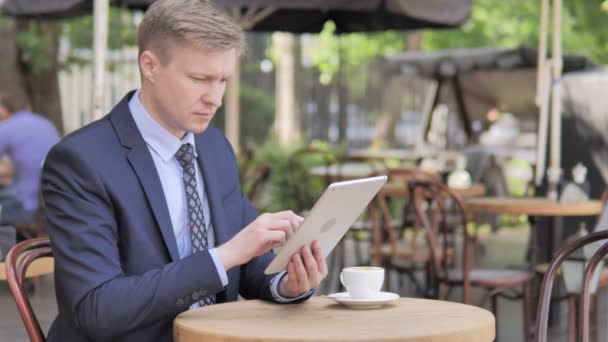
199, 128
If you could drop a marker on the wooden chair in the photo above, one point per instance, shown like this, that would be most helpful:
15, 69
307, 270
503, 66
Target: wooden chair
541, 270
28, 253
585, 299
496, 282
391, 248
542, 316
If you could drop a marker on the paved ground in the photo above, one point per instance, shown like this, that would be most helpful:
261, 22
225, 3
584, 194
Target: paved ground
505, 248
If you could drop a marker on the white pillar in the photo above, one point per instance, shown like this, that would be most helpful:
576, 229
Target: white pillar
285, 117
100, 46
554, 171
543, 81
233, 108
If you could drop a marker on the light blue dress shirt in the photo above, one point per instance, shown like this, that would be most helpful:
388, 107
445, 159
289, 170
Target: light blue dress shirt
163, 146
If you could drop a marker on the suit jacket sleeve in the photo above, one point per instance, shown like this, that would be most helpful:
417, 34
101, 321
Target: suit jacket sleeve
82, 227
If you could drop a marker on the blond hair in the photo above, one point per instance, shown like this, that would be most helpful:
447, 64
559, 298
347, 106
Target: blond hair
195, 23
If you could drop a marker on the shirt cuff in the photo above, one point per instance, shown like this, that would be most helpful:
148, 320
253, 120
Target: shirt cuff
219, 265
274, 289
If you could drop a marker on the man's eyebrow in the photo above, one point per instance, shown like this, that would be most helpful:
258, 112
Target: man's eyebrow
209, 76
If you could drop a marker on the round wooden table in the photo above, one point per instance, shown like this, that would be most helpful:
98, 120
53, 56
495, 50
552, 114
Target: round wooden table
323, 320
402, 154
397, 189
535, 206
347, 171
38, 267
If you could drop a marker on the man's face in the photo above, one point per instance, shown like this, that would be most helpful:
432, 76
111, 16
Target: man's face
187, 89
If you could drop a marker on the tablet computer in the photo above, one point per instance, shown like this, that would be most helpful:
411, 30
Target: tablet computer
329, 219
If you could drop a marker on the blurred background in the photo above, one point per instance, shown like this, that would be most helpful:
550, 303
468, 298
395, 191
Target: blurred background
446, 86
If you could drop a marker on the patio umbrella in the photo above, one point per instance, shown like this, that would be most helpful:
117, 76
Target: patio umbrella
297, 16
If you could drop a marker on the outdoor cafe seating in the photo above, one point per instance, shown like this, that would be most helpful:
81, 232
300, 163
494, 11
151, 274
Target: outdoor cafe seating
434, 203
554, 269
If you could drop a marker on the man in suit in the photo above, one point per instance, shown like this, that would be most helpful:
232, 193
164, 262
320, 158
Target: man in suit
144, 207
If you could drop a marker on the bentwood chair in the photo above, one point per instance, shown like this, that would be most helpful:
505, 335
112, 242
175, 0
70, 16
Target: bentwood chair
432, 200
407, 253
34, 253
585, 309
542, 316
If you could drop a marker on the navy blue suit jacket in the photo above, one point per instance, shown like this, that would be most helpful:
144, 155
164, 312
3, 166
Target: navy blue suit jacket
118, 274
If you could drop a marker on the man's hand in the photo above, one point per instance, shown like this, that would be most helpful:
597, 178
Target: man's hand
305, 271
260, 236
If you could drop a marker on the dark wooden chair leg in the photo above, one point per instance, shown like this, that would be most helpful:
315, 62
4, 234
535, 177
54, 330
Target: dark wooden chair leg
595, 308
572, 319
527, 310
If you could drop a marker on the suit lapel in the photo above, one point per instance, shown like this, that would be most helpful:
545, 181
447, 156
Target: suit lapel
143, 165
141, 161
207, 160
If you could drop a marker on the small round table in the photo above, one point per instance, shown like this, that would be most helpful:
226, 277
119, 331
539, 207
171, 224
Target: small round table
323, 320
396, 189
38, 267
347, 171
535, 206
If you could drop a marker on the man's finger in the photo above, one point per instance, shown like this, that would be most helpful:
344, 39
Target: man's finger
301, 273
287, 215
311, 265
275, 238
318, 254
291, 272
283, 225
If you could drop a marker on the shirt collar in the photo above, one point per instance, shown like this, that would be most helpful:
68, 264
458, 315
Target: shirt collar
156, 136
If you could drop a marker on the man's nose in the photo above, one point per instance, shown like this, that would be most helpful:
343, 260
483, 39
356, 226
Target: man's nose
214, 96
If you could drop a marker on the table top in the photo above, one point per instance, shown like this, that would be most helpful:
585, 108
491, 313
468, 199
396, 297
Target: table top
403, 154
321, 319
397, 189
535, 206
38, 267
348, 170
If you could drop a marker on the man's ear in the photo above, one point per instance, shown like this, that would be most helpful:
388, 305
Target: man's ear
149, 63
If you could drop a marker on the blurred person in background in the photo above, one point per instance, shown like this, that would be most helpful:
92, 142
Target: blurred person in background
25, 139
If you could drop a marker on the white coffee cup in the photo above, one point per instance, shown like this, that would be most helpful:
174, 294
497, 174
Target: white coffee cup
363, 282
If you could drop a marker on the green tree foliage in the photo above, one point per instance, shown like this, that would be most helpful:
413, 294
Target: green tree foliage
35, 45
122, 30
257, 114
353, 50
495, 23
291, 186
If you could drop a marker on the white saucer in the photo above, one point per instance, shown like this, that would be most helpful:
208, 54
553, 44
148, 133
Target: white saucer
382, 299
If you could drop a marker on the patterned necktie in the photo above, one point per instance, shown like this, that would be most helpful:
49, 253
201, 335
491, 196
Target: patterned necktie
196, 218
